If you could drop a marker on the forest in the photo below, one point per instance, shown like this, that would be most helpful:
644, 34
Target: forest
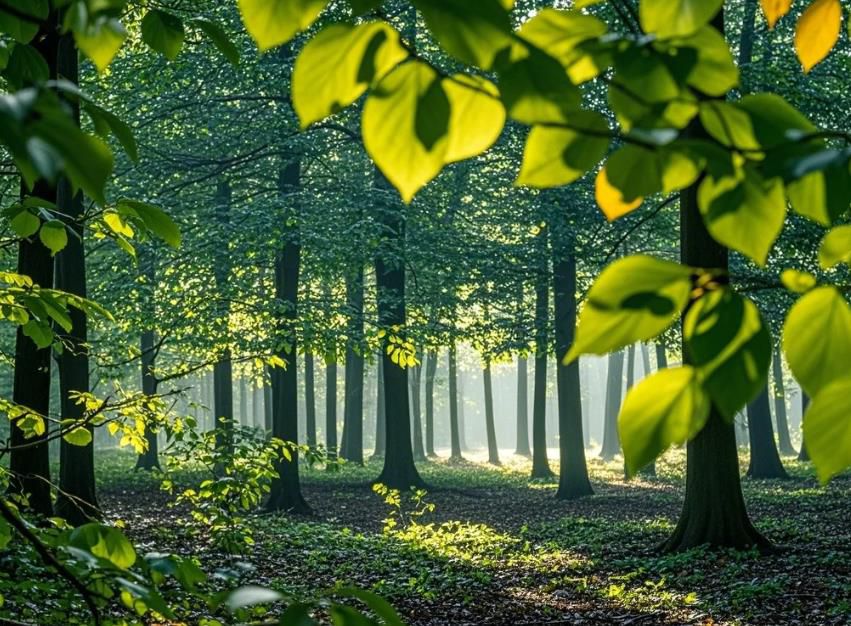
425, 312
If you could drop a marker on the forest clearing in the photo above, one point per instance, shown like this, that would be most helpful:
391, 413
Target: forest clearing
425, 312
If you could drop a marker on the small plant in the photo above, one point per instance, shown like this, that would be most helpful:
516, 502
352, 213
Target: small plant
403, 513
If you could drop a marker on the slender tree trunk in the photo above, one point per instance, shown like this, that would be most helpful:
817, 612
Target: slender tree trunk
645, 359
267, 400
522, 448
30, 465
431, 370
331, 410
286, 494
77, 500
780, 416
765, 461
714, 511
380, 410
490, 425
803, 455
414, 382
462, 422
454, 425
614, 396
540, 463
223, 369
243, 402
573, 479
353, 411
399, 471
149, 459
310, 398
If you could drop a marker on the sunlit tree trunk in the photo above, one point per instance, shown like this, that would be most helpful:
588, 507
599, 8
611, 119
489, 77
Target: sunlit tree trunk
490, 425
286, 489
380, 409
614, 396
331, 409
454, 425
149, 459
780, 406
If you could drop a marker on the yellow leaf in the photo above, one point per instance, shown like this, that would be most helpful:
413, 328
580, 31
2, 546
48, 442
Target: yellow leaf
817, 32
610, 200
774, 10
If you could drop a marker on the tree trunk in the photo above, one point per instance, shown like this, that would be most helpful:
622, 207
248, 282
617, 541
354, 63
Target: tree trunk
714, 510
380, 410
522, 447
414, 383
149, 459
286, 494
462, 422
431, 370
223, 369
331, 410
540, 463
765, 461
454, 426
30, 465
353, 410
310, 398
614, 396
803, 455
256, 403
399, 471
573, 479
780, 416
490, 425
243, 402
267, 400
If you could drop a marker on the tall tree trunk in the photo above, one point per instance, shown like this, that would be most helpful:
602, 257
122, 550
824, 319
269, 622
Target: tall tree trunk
490, 425
331, 409
780, 416
256, 405
765, 461
803, 455
540, 463
645, 359
522, 448
286, 494
462, 422
267, 400
454, 425
223, 369
714, 511
30, 465
614, 396
399, 471
243, 402
353, 410
77, 500
310, 398
431, 370
573, 479
380, 409
415, 383
149, 459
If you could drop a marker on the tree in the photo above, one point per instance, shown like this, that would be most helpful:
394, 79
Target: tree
522, 447
540, 463
765, 461
614, 391
780, 416
353, 419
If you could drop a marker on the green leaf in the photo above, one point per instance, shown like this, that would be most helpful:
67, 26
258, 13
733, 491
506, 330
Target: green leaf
297, 614
730, 125
676, 18
273, 22
561, 34
536, 89
669, 407
827, 429
638, 172
729, 344
251, 595
379, 605
39, 332
406, 126
338, 64
154, 218
471, 32
5, 533
26, 67
477, 116
822, 195
835, 247
219, 38
817, 338
558, 156
774, 121
19, 29
24, 223
80, 436
797, 281
101, 41
634, 299
715, 72
745, 214
106, 121
53, 235
105, 542
163, 32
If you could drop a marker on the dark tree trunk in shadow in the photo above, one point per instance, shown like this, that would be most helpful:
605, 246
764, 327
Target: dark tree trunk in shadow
149, 459
431, 371
522, 448
414, 383
223, 369
780, 415
331, 410
310, 398
803, 455
540, 463
380, 410
353, 410
614, 397
286, 489
765, 461
573, 479
454, 426
490, 425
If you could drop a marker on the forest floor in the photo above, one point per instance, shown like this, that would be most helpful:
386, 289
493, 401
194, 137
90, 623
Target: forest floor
500, 549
